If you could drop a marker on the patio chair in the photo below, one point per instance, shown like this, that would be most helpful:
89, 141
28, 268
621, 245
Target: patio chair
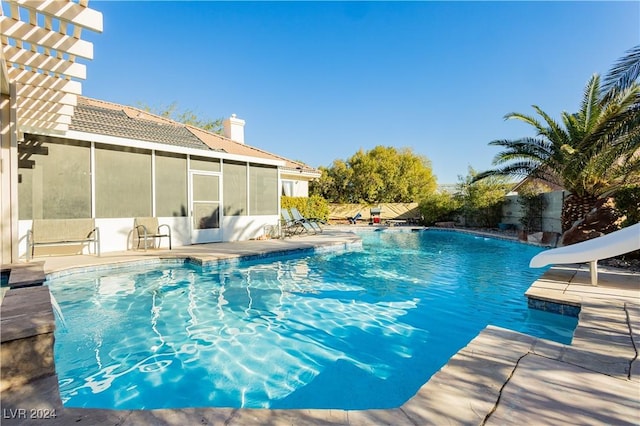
353, 220
313, 223
147, 228
289, 225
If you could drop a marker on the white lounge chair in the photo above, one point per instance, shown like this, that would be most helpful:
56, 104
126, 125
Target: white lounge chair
614, 244
314, 224
289, 225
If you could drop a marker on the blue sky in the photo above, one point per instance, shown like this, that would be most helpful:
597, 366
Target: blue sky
316, 81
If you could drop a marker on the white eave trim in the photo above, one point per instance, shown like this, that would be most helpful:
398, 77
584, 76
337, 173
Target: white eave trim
140, 144
285, 174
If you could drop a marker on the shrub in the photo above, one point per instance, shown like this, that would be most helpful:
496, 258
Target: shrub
533, 205
438, 207
482, 200
312, 207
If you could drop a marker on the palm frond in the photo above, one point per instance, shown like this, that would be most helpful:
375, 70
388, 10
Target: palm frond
591, 105
554, 132
531, 149
624, 72
518, 169
589, 110
574, 128
619, 121
524, 118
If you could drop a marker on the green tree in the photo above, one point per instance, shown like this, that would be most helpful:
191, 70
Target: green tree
591, 153
187, 116
481, 199
381, 175
334, 184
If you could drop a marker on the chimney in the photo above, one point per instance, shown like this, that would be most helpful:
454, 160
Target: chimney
234, 128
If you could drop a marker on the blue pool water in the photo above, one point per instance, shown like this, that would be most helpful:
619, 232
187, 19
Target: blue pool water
351, 329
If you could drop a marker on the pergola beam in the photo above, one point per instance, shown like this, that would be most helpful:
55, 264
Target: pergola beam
44, 107
39, 93
31, 59
44, 81
73, 13
44, 116
33, 34
35, 126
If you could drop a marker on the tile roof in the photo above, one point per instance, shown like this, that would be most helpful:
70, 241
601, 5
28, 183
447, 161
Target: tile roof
107, 118
114, 120
216, 141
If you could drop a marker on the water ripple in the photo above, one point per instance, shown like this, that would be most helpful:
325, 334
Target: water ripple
301, 332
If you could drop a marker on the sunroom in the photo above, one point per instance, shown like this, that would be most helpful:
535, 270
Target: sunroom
117, 163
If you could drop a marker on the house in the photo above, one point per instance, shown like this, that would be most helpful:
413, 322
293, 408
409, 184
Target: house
115, 163
66, 156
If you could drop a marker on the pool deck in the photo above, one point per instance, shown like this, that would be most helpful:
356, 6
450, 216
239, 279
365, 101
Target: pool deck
500, 377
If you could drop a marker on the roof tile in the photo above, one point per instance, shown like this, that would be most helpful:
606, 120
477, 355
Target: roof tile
91, 117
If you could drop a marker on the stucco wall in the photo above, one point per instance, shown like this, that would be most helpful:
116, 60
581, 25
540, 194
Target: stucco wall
116, 234
241, 228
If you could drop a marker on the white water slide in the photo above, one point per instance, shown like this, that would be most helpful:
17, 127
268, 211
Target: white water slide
614, 244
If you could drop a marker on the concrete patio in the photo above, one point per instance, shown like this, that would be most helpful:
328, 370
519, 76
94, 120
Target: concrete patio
500, 377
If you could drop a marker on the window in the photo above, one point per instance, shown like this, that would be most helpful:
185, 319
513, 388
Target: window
263, 190
54, 178
123, 181
171, 184
287, 188
234, 178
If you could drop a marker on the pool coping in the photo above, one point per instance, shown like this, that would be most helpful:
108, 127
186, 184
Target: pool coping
470, 389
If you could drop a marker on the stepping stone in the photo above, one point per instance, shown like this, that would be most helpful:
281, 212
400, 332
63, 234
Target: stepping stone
26, 275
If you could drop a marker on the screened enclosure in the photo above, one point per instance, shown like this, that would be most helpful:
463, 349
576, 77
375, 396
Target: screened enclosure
62, 179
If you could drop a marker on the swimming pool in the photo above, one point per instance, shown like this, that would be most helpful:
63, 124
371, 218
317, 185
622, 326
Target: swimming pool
352, 329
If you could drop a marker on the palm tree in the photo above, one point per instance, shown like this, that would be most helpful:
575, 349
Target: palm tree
590, 153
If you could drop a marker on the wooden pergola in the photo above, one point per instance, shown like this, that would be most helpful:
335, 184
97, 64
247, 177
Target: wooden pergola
41, 42
40, 81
